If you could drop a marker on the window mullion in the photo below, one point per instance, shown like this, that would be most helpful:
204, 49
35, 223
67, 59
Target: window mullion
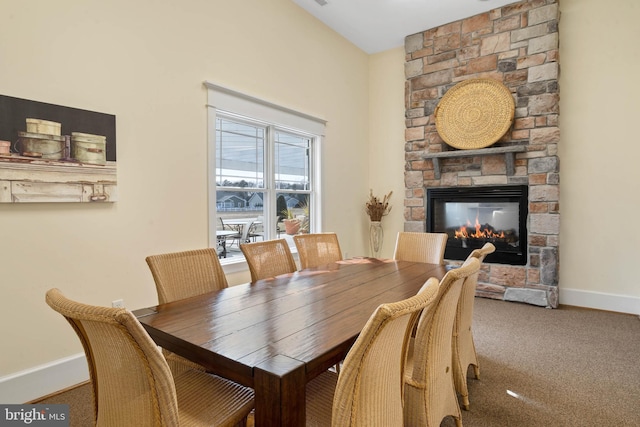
270, 195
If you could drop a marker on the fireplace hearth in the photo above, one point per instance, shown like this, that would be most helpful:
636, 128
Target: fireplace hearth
473, 216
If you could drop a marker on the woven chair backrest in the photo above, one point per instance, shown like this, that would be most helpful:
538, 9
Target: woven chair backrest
420, 247
268, 259
317, 249
432, 353
369, 389
481, 253
185, 274
464, 316
132, 381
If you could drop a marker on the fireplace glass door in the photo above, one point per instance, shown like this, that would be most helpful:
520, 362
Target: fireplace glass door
473, 216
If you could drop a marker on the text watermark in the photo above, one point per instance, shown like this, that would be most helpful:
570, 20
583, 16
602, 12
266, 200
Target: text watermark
34, 415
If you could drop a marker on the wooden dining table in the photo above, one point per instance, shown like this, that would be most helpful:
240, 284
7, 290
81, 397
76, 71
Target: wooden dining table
275, 335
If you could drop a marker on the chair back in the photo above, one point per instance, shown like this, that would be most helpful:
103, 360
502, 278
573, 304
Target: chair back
481, 253
269, 258
131, 380
180, 275
256, 229
420, 247
317, 249
223, 225
429, 393
464, 315
369, 389
464, 349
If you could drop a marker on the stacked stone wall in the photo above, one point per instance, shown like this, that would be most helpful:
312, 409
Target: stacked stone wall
517, 45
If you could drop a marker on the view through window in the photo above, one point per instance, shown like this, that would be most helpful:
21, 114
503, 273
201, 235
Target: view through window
264, 171
264, 183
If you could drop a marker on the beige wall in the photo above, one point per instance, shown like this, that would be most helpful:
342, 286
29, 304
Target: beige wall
386, 130
145, 62
599, 92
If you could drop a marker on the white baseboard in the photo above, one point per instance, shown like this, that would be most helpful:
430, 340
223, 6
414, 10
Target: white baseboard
33, 383
600, 300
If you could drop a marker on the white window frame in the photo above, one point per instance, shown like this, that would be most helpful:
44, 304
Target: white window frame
233, 103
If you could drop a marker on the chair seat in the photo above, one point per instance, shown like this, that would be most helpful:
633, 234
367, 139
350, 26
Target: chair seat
205, 400
320, 392
178, 364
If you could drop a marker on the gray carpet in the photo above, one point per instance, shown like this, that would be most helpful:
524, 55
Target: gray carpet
562, 367
538, 367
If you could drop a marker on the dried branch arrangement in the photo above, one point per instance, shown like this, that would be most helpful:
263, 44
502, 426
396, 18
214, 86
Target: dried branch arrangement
377, 208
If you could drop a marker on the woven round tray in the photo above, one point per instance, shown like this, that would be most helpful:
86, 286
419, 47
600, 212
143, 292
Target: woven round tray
474, 113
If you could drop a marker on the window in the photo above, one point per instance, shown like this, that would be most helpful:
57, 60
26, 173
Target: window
263, 172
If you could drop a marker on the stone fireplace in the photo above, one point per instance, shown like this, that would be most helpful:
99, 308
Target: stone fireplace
518, 46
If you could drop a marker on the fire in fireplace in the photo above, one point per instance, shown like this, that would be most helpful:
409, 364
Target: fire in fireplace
472, 216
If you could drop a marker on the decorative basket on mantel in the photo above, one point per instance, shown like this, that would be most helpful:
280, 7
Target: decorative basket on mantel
475, 113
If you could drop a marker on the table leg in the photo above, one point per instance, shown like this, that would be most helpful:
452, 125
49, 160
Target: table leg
279, 385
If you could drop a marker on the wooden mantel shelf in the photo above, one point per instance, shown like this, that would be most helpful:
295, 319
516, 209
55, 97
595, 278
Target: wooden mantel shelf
509, 156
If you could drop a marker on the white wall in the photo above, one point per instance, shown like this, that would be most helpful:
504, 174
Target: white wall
146, 61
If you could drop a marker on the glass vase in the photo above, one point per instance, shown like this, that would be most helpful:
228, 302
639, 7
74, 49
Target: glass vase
376, 235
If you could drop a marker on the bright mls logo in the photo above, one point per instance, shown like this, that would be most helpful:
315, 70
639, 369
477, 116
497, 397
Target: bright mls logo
34, 415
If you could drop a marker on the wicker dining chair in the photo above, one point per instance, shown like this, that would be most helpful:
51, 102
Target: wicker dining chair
420, 247
429, 391
132, 383
464, 349
368, 391
269, 258
317, 249
180, 275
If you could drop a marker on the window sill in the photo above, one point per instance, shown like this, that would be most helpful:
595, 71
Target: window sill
236, 266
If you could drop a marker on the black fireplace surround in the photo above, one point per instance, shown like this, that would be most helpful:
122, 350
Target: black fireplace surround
472, 216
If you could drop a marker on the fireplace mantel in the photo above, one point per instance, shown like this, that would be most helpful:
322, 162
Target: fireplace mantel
509, 154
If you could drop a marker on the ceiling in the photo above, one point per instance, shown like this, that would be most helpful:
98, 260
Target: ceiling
378, 25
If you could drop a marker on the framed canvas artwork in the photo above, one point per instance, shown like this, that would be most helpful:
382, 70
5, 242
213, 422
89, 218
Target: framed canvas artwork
52, 153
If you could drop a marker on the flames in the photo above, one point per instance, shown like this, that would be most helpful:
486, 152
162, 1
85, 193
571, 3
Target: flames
477, 231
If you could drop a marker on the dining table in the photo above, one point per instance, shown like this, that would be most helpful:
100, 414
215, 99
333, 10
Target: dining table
275, 335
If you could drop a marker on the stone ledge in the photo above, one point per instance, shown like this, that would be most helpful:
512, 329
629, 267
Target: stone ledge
529, 296
509, 154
